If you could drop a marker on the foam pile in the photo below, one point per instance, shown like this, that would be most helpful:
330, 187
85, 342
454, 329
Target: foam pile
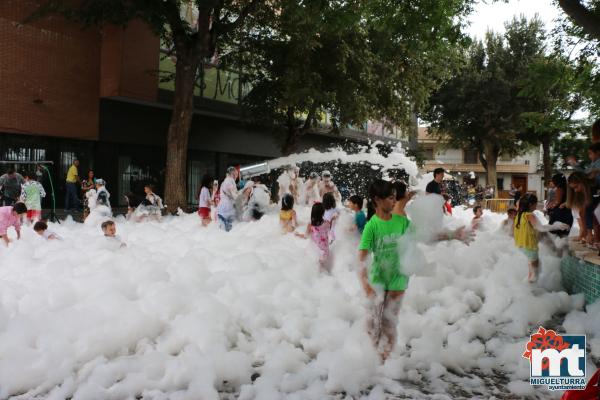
184, 313
396, 159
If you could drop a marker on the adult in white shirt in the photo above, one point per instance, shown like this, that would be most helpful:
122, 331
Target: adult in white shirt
327, 186
285, 181
311, 190
241, 202
228, 194
259, 201
297, 183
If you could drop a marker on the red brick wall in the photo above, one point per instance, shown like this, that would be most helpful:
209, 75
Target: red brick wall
49, 75
140, 62
130, 62
111, 53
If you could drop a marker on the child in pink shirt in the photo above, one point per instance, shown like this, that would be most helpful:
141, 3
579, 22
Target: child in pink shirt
318, 230
11, 216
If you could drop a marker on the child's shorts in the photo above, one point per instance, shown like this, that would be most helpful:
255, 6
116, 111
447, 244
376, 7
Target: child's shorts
204, 212
34, 215
389, 280
532, 255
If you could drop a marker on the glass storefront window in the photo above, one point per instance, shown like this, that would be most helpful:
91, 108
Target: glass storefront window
66, 159
24, 154
132, 178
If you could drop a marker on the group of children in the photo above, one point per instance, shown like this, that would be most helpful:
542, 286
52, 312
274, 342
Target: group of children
139, 207
582, 197
383, 282
249, 201
524, 226
11, 216
149, 206
380, 229
576, 198
306, 192
29, 208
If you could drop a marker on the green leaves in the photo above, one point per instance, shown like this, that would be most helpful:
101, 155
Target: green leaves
479, 107
578, 35
353, 60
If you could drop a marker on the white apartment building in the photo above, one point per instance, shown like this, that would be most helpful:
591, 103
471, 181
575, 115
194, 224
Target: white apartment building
464, 165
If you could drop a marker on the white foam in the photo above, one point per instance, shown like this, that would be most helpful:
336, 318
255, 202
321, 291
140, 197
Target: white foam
188, 312
396, 159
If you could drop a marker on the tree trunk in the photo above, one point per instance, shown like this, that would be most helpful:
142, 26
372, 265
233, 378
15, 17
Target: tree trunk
491, 159
582, 16
177, 137
546, 159
291, 142
309, 118
292, 135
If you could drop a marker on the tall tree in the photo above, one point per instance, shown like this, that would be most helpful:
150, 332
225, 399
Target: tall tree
479, 107
349, 62
193, 41
553, 92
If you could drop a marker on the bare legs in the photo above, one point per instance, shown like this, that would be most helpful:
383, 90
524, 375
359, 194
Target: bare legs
534, 269
582, 227
382, 322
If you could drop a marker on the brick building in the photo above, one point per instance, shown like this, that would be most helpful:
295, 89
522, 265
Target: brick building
95, 95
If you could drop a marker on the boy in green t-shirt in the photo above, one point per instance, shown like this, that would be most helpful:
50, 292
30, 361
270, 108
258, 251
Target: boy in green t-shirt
381, 236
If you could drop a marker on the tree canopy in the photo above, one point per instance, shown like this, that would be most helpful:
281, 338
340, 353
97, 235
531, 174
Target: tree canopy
579, 35
350, 61
480, 107
553, 91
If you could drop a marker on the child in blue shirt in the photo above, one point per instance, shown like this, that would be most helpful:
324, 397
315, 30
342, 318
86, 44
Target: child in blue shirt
355, 203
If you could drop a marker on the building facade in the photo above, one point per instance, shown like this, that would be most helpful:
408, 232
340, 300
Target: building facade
96, 95
521, 171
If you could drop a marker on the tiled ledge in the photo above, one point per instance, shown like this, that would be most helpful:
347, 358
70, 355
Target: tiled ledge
581, 272
579, 250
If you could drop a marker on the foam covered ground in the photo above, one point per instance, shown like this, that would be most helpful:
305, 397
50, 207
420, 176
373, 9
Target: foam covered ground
185, 312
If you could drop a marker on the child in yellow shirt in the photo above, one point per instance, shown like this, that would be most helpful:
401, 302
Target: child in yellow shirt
525, 234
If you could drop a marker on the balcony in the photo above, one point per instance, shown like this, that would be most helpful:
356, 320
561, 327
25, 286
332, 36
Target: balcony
459, 165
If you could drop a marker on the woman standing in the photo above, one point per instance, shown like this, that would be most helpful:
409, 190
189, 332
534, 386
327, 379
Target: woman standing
580, 200
88, 184
557, 208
